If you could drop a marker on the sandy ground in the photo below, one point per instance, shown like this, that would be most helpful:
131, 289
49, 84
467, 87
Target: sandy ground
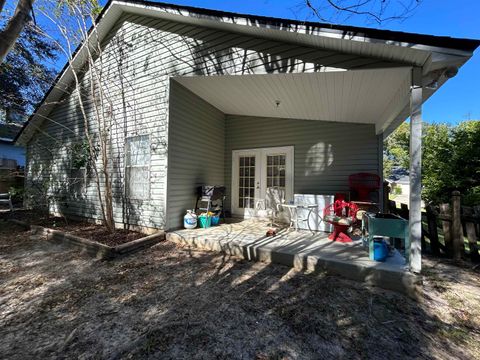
176, 303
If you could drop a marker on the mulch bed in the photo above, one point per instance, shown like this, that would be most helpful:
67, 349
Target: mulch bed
82, 229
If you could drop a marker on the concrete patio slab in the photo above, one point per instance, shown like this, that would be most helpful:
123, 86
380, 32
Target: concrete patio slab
302, 250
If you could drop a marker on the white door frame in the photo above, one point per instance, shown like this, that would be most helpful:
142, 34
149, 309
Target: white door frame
261, 175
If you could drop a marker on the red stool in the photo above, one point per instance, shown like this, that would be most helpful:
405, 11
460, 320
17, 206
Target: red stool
341, 215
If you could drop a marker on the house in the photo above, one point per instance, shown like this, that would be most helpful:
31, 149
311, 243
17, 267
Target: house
399, 182
8, 150
211, 97
11, 157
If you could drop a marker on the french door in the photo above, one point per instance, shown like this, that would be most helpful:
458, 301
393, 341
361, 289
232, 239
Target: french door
254, 171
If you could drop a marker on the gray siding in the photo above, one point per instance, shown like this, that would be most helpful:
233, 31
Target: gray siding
140, 56
196, 150
326, 153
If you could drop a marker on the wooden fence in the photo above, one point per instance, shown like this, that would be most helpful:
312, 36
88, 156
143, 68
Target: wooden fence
455, 223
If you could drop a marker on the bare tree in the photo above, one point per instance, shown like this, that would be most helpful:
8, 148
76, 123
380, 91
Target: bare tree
378, 11
15, 25
73, 21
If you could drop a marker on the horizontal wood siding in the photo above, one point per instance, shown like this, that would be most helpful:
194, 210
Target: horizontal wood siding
140, 56
326, 153
196, 150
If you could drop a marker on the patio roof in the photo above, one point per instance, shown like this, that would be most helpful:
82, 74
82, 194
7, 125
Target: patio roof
357, 96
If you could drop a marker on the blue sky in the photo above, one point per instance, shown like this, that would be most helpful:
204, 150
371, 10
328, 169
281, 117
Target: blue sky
458, 100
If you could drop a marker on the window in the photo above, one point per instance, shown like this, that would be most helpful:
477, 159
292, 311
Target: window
276, 170
137, 157
246, 186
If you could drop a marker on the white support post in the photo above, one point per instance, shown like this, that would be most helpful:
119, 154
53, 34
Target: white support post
415, 219
381, 196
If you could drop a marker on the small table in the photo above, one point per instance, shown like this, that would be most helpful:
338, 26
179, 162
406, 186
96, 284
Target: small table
389, 225
293, 212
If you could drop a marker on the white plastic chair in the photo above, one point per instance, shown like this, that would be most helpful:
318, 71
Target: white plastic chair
272, 204
6, 199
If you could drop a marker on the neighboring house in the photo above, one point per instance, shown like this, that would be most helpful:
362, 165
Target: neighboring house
11, 157
9, 153
11, 116
239, 100
400, 179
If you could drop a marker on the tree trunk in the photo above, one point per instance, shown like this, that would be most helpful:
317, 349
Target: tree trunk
2, 4
14, 27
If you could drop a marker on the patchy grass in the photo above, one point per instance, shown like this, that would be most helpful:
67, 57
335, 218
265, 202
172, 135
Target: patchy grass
175, 302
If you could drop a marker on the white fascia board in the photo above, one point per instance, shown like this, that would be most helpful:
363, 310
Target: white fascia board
244, 24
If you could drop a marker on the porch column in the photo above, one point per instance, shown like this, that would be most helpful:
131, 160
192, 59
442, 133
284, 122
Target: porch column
415, 218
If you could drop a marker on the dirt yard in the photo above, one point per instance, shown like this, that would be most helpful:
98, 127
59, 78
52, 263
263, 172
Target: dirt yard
175, 303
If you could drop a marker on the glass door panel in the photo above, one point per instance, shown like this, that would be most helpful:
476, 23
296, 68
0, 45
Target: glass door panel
246, 182
276, 171
254, 171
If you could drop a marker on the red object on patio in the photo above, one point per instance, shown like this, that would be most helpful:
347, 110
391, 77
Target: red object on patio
339, 196
363, 184
341, 215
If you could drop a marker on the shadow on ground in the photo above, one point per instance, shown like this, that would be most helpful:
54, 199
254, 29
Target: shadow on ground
173, 302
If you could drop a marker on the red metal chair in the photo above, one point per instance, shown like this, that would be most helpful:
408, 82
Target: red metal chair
363, 184
341, 215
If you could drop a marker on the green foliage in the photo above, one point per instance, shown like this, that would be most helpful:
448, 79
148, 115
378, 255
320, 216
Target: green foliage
16, 192
80, 154
438, 174
75, 7
388, 165
451, 160
25, 75
397, 190
396, 146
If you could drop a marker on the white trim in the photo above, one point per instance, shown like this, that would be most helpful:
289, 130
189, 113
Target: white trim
146, 166
240, 22
260, 174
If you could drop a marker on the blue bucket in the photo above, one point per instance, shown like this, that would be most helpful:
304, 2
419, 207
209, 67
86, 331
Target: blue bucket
215, 220
380, 250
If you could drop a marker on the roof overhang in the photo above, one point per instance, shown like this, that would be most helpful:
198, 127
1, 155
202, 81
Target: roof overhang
358, 96
432, 54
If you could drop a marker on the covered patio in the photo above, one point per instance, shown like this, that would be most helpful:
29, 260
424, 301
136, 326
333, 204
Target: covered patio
304, 119
324, 126
302, 250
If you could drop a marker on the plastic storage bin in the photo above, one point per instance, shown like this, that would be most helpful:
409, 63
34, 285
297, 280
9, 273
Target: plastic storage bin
204, 221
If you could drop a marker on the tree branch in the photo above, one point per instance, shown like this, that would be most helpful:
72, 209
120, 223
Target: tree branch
14, 27
2, 4
373, 9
